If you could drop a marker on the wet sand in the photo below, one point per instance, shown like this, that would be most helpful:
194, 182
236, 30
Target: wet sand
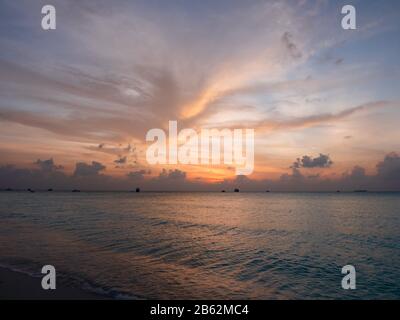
19, 286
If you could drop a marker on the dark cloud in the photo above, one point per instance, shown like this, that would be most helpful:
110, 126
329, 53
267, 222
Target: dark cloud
120, 160
357, 179
113, 149
22, 178
84, 169
338, 61
48, 165
292, 179
138, 175
389, 168
294, 51
358, 173
322, 161
172, 175
88, 177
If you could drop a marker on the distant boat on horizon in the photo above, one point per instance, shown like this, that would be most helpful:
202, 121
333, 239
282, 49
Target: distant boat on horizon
76, 190
236, 190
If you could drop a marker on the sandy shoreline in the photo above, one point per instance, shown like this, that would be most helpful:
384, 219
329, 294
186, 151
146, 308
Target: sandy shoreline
16, 285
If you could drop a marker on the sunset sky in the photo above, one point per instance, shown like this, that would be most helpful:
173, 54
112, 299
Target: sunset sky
77, 102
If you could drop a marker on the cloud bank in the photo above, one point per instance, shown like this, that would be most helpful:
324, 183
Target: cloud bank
90, 176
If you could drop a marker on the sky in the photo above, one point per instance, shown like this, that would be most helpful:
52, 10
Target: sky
76, 102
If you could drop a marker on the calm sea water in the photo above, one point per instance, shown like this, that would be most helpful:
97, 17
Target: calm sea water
207, 245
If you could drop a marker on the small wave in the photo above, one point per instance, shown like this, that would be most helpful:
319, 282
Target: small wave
77, 282
20, 270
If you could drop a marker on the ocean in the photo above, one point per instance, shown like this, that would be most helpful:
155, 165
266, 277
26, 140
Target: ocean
207, 245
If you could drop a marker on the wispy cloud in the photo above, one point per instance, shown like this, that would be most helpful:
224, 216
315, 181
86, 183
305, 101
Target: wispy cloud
111, 72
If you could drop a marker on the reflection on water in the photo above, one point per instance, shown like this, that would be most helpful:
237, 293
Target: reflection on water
208, 245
